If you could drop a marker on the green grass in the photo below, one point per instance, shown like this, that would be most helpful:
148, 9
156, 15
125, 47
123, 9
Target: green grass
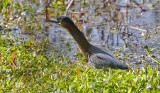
36, 73
25, 66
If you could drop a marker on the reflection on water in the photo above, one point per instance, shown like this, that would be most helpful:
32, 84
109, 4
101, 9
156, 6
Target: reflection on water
134, 30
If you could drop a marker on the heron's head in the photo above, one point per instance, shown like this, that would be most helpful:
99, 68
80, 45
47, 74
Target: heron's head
62, 21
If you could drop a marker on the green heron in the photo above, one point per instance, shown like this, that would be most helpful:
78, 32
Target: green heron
96, 56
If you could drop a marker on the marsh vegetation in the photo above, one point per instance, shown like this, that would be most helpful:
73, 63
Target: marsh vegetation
36, 56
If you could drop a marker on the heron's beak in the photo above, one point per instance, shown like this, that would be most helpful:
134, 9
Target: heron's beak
52, 20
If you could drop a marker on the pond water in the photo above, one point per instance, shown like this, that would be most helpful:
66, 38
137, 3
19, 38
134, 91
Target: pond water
129, 34
124, 30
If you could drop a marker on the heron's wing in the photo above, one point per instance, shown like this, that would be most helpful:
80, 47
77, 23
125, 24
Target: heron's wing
100, 60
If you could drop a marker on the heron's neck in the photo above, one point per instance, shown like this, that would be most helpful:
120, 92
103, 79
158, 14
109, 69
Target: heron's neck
79, 38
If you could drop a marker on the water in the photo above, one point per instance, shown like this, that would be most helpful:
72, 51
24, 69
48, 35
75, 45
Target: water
135, 30
121, 29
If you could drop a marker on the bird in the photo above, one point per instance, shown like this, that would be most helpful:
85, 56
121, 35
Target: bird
97, 57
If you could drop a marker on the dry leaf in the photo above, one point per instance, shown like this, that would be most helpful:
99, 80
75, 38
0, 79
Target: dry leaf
81, 14
12, 41
138, 62
13, 57
50, 24
98, 13
78, 72
79, 26
5, 37
75, 16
